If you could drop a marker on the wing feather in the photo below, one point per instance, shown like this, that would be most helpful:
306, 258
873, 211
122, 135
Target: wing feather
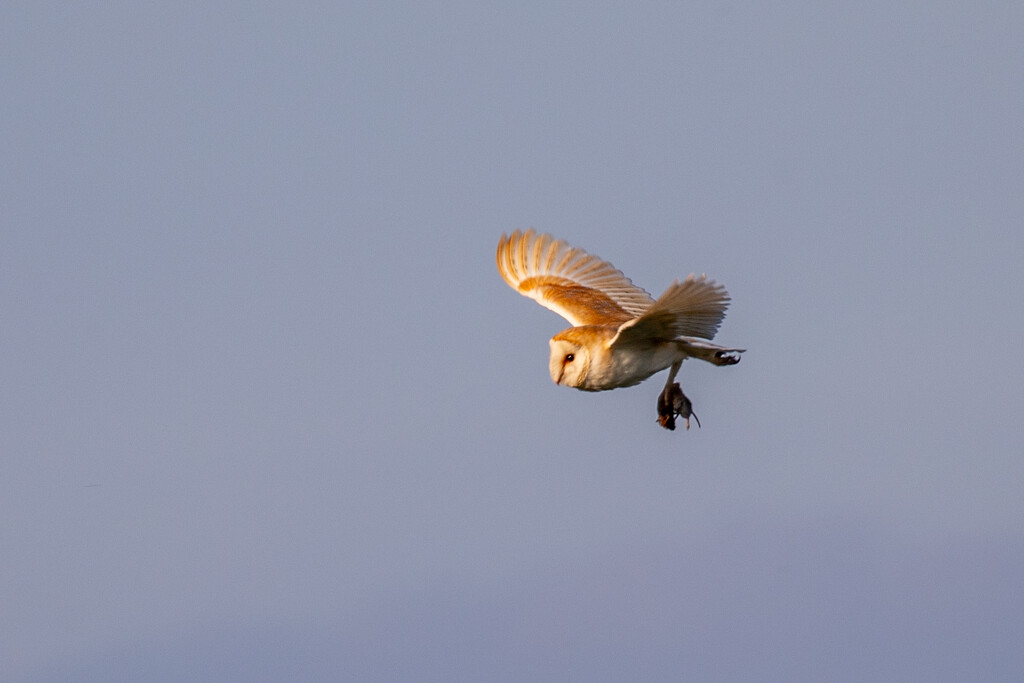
580, 287
694, 307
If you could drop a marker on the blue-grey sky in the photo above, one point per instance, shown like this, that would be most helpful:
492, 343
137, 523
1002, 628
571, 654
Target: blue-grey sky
270, 413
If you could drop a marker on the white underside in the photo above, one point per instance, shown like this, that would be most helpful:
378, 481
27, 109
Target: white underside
626, 366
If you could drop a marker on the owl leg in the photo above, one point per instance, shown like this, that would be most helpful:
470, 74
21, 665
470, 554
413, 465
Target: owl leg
673, 402
706, 351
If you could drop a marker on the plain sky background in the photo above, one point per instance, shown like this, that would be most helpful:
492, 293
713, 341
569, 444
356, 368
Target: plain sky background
270, 413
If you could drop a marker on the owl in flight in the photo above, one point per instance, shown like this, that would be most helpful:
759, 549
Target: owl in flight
620, 334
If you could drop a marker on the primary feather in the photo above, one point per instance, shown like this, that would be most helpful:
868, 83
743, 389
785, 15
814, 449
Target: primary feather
694, 307
580, 287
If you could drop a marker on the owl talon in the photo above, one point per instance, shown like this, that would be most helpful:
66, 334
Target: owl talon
666, 411
724, 358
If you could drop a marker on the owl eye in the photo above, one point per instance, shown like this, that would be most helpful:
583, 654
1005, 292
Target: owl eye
569, 357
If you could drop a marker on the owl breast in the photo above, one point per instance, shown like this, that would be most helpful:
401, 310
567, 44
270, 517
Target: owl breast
623, 367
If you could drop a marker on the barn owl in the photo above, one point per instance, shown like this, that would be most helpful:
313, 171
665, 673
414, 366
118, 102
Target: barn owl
620, 334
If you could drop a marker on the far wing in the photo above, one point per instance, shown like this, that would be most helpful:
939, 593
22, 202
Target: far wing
694, 307
580, 287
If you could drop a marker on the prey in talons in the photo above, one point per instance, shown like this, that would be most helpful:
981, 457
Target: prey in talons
673, 403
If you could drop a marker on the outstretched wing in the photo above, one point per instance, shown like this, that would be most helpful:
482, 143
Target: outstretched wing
581, 288
694, 307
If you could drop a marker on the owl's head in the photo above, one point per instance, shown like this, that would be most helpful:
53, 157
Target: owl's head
569, 362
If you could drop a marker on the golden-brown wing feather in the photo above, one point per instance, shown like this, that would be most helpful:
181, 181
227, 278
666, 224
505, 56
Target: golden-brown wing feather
580, 287
694, 307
